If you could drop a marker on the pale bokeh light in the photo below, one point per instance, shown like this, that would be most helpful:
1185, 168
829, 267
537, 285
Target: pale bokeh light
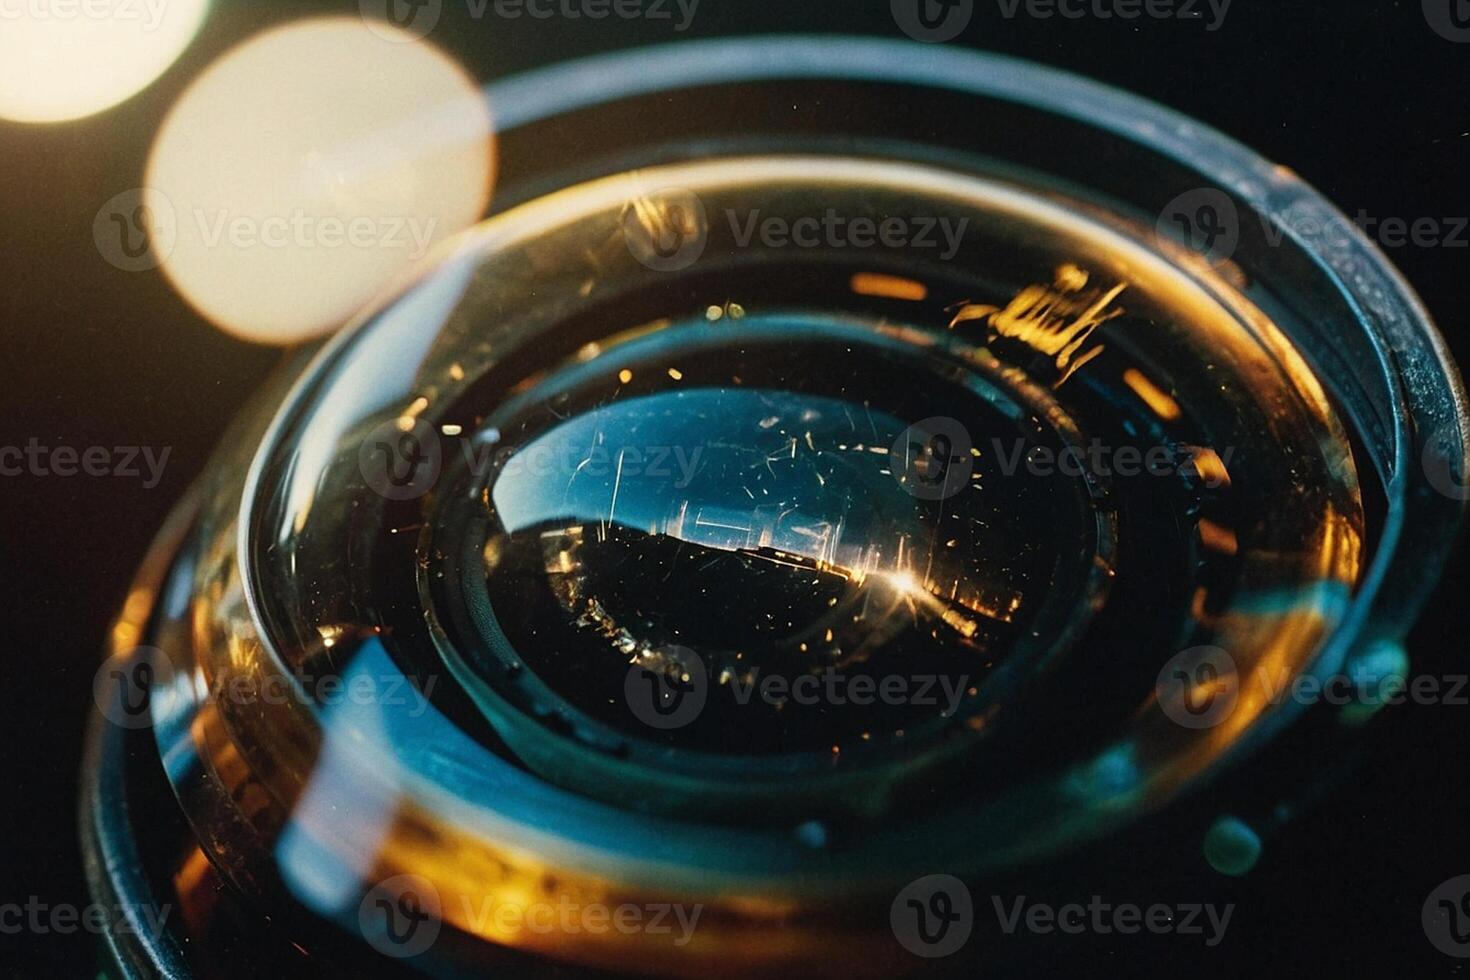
65, 59
312, 165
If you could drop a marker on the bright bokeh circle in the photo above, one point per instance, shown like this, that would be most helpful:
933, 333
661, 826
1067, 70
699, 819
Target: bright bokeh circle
312, 165
65, 59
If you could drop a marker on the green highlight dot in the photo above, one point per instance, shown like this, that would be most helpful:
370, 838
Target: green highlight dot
1232, 847
1379, 675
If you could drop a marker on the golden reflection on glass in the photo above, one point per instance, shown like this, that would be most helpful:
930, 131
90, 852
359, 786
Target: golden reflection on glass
1153, 396
890, 287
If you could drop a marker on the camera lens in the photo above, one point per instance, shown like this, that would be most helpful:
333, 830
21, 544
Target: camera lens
734, 521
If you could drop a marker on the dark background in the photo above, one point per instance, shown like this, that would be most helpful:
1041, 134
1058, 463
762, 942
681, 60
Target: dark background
1362, 99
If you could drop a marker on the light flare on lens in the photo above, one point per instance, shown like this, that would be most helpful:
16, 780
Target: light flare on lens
61, 61
312, 165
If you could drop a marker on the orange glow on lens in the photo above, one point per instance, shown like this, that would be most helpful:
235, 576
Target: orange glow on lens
1216, 537
888, 287
1153, 396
